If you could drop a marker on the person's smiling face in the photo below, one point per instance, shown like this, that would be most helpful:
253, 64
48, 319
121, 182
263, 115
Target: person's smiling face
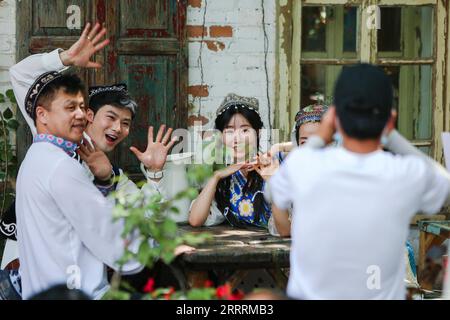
306, 130
240, 137
65, 117
109, 126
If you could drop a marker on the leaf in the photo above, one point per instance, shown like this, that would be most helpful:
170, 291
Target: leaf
8, 114
175, 210
167, 257
201, 294
13, 124
169, 227
11, 96
116, 295
2, 98
144, 252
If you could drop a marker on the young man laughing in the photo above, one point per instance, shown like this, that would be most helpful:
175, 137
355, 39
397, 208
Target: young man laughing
57, 233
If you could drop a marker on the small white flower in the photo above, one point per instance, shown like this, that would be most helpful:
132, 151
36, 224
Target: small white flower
246, 208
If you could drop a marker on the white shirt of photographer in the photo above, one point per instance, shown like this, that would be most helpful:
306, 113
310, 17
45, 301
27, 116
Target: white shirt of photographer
351, 218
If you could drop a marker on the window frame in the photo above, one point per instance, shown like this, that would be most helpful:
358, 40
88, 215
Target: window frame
289, 61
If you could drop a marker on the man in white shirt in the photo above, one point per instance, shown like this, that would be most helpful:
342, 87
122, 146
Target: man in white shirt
353, 204
109, 117
65, 228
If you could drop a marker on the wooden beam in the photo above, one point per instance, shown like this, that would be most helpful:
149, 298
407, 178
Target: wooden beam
330, 2
235, 279
419, 217
438, 79
388, 62
283, 90
296, 57
279, 277
406, 2
329, 61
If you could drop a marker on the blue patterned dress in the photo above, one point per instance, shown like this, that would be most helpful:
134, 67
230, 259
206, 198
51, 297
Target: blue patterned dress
242, 205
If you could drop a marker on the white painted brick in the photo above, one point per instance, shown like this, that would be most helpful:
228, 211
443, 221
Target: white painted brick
193, 49
194, 16
215, 18
248, 32
7, 27
4, 75
6, 12
222, 61
231, 18
7, 44
247, 46
250, 61
7, 9
249, 91
222, 6
7, 60
194, 76
249, 17
249, 4
239, 68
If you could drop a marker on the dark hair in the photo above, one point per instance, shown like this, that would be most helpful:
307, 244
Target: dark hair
118, 99
363, 98
254, 180
60, 292
69, 83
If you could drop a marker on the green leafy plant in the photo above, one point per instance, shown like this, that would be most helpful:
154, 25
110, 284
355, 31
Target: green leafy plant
8, 159
146, 217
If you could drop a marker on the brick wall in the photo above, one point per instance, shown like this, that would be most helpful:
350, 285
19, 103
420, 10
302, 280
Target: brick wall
7, 41
232, 54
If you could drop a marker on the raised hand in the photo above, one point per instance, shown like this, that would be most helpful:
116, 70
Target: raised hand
154, 157
266, 165
89, 43
96, 160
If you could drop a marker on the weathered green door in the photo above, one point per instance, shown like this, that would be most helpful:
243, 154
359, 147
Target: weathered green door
148, 51
42, 27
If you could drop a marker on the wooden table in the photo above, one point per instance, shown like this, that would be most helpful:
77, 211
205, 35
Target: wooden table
432, 233
235, 251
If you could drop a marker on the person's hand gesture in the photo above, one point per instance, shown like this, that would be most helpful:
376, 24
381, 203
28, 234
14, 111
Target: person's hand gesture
154, 157
229, 170
265, 165
81, 52
96, 160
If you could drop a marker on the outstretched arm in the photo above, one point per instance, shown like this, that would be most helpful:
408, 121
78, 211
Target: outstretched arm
201, 206
24, 73
400, 145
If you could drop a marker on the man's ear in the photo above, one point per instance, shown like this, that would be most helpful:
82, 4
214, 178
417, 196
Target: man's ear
90, 115
41, 115
390, 125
